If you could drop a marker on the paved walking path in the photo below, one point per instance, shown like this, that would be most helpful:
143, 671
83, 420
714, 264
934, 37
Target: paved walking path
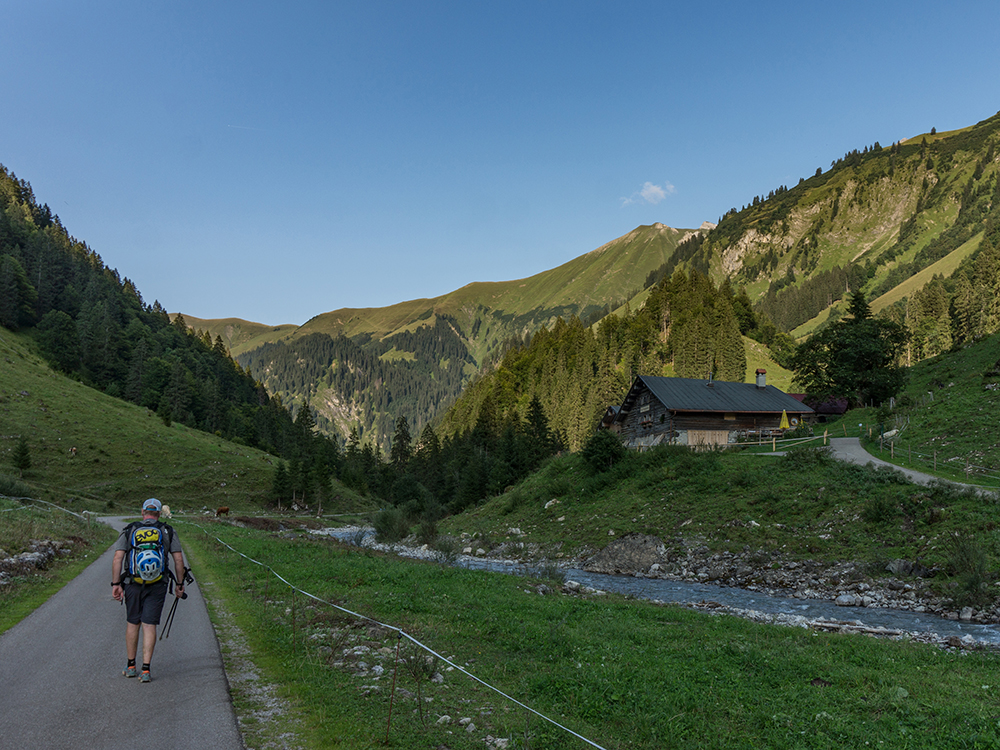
61, 683
849, 449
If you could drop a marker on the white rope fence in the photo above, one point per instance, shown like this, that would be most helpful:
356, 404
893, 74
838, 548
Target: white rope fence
956, 464
402, 634
36, 500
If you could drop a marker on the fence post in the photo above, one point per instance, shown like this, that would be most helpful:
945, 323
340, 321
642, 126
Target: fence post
293, 620
825, 432
392, 693
774, 444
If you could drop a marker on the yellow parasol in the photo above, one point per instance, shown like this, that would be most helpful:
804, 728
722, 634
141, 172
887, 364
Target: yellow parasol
784, 420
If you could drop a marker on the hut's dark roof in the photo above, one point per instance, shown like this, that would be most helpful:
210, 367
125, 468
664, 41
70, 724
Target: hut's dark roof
691, 394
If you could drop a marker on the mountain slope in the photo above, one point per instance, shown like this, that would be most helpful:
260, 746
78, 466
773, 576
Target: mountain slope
874, 221
393, 361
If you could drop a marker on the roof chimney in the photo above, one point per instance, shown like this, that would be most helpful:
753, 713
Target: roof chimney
761, 378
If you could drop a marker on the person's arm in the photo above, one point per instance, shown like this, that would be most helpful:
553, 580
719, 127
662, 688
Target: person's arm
116, 575
179, 573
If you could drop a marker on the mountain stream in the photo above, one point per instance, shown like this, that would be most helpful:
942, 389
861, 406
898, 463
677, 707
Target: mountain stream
740, 601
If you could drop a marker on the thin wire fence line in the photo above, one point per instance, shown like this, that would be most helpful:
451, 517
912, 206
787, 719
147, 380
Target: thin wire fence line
931, 460
901, 452
36, 500
402, 634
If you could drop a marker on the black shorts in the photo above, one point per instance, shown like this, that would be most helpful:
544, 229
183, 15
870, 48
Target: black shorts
144, 602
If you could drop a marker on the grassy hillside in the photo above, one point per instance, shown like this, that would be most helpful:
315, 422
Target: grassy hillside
943, 268
610, 274
881, 216
947, 416
91, 452
123, 453
240, 335
800, 507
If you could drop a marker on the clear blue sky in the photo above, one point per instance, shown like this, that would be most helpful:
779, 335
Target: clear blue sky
272, 161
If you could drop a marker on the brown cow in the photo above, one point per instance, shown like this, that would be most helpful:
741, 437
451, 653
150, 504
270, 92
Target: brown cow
223, 511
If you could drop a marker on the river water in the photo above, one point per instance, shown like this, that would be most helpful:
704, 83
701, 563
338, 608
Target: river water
684, 592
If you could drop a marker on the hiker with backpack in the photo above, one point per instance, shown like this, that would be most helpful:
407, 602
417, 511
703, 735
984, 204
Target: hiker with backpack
140, 575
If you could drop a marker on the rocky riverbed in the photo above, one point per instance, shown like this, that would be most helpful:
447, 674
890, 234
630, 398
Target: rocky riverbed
899, 584
853, 587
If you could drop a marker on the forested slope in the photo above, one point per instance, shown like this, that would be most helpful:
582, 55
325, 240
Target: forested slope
94, 325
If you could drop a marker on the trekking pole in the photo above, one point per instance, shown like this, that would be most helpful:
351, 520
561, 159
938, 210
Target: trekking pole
186, 578
170, 617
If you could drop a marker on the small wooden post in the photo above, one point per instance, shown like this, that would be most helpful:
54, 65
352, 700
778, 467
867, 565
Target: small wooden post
825, 432
293, 620
392, 692
774, 444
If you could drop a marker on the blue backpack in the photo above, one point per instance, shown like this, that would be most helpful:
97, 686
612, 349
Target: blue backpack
146, 559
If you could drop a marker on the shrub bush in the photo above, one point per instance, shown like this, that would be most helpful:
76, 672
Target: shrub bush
808, 458
13, 487
878, 510
968, 563
603, 450
391, 526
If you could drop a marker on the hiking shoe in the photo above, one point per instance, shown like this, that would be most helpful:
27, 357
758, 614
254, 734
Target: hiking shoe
130, 671
144, 677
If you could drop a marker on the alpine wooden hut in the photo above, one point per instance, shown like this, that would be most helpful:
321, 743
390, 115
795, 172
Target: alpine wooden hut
689, 411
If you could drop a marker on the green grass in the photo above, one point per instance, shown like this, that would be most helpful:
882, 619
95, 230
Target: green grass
944, 268
622, 673
804, 506
124, 453
947, 416
20, 523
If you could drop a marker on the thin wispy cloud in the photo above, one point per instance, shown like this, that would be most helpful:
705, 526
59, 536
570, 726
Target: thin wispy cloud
650, 194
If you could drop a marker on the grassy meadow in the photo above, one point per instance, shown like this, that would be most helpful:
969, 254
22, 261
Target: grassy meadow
620, 673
